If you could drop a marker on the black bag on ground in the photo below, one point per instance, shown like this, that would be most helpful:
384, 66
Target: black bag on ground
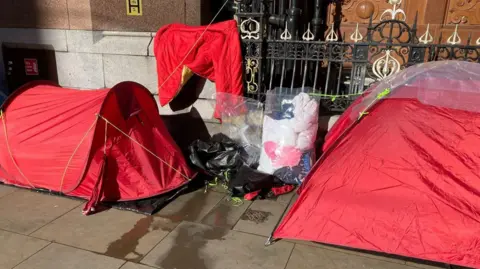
248, 180
222, 158
217, 156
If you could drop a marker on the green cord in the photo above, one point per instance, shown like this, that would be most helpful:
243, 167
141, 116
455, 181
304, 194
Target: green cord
361, 114
334, 97
384, 93
380, 95
215, 183
236, 201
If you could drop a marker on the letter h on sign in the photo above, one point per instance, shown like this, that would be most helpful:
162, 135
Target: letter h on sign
134, 7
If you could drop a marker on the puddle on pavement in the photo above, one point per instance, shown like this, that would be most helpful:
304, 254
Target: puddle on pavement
219, 216
190, 211
127, 244
256, 216
186, 252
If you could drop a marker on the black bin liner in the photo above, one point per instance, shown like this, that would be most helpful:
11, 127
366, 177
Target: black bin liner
249, 180
219, 157
223, 158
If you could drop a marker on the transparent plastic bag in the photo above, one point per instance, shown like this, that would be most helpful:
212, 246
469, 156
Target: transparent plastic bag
289, 132
242, 120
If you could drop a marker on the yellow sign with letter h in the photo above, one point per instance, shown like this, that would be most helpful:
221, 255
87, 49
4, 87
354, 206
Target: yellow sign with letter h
134, 7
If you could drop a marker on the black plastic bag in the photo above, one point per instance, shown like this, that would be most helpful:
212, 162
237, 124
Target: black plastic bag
219, 157
222, 158
248, 180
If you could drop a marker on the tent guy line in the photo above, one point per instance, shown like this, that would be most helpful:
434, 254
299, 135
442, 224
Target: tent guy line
2, 116
142, 146
107, 122
75, 152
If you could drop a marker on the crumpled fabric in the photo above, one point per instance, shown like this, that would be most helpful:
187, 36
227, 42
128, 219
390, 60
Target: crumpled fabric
274, 192
276, 133
280, 131
305, 113
282, 156
216, 55
286, 139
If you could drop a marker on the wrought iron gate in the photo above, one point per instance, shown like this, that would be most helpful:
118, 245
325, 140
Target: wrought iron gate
284, 51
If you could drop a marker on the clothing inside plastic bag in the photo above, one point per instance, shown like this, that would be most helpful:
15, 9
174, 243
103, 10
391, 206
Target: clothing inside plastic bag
289, 133
296, 174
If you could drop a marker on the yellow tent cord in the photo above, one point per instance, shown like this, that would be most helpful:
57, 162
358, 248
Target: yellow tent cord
75, 151
2, 116
105, 141
146, 149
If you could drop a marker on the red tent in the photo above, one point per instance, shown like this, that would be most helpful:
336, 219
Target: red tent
100, 145
401, 170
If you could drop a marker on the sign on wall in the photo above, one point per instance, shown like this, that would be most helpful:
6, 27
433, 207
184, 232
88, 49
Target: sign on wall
31, 67
134, 7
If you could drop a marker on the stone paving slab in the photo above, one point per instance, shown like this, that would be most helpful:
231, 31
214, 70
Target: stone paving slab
131, 265
428, 265
198, 246
6, 190
225, 214
287, 199
307, 257
120, 234
261, 218
27, 211
193, 206
111, 238
64, 257
218, 188
15, 248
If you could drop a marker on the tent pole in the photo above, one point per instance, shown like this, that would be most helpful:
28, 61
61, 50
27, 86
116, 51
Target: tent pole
271, 240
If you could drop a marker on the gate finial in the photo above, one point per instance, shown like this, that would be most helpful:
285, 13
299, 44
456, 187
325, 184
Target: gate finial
308, 35
454, 39
427, 37
356, 36
332, 36
394, 11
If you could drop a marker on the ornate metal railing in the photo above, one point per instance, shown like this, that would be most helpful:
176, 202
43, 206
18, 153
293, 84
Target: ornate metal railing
338, 67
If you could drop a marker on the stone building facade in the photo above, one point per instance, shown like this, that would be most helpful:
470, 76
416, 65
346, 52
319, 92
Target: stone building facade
91, 44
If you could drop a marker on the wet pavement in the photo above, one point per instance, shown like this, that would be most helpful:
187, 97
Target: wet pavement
196, 231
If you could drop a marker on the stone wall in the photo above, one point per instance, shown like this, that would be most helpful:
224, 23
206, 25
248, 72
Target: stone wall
96, 59
101, 14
